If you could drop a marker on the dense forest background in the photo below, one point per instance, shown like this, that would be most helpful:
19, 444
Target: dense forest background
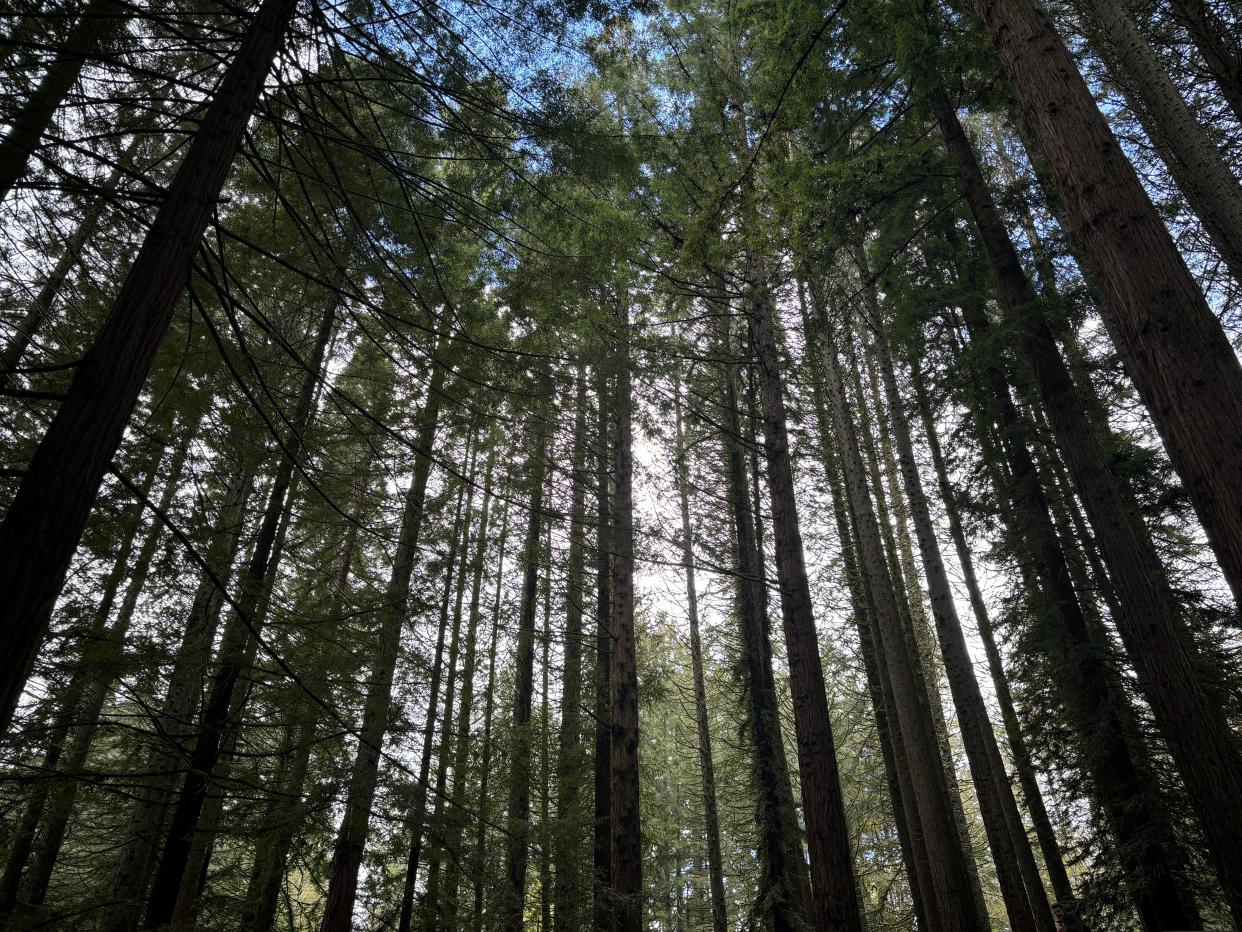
723, 465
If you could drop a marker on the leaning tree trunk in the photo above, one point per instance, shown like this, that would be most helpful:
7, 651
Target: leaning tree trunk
1183, 143
948, 873
832, 871
174, 722
1049, 846
351, 837
1218, 46
707, 769
98, 20
45, 520
1189, 714
237, 646
517, 825
104, 672
1026, 905
1171, 343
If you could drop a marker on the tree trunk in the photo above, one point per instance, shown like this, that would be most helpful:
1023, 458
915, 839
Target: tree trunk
602, 841
103, 672
571, 761
782, 882
238, 645
828, 840
351, 837
1183, 143
1027, 906
45, 520
948, 873
485, 752
1219, 48
512, 906
1049, 847
99, 20
455, 824
174, 725
1150, 621
1172, 345
707, 770
418, 806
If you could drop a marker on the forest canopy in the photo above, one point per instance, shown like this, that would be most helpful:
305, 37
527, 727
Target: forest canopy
621, 465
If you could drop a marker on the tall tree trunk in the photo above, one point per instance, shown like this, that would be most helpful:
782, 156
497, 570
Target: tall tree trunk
948, 873
627, 886
98, 20
1171, 343
828, 840
1150, 621
1218, 46
174, 724
1049, 847
455, 823
601, 855
431, 900
901, 795
418, 806
1027, 905
45, 520
103, 673
571, 762
485, 751
545, 770
237, 645
271, 855
1183, 143
351, 837
517, 824
782, 883
707, 769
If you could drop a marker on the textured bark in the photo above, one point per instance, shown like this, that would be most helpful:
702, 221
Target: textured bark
1049, 846
828, 840
517, 824
351, 837
99, 19
1189, 714
174, 725
571, 761
1027, 906
45, 520
707, 769
238, 645
950, 879
1172, 345
783, 884
627, 882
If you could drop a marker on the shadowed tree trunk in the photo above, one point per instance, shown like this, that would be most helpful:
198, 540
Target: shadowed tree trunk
351, 837
602, 839
45, 520
511, 918
828, 840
